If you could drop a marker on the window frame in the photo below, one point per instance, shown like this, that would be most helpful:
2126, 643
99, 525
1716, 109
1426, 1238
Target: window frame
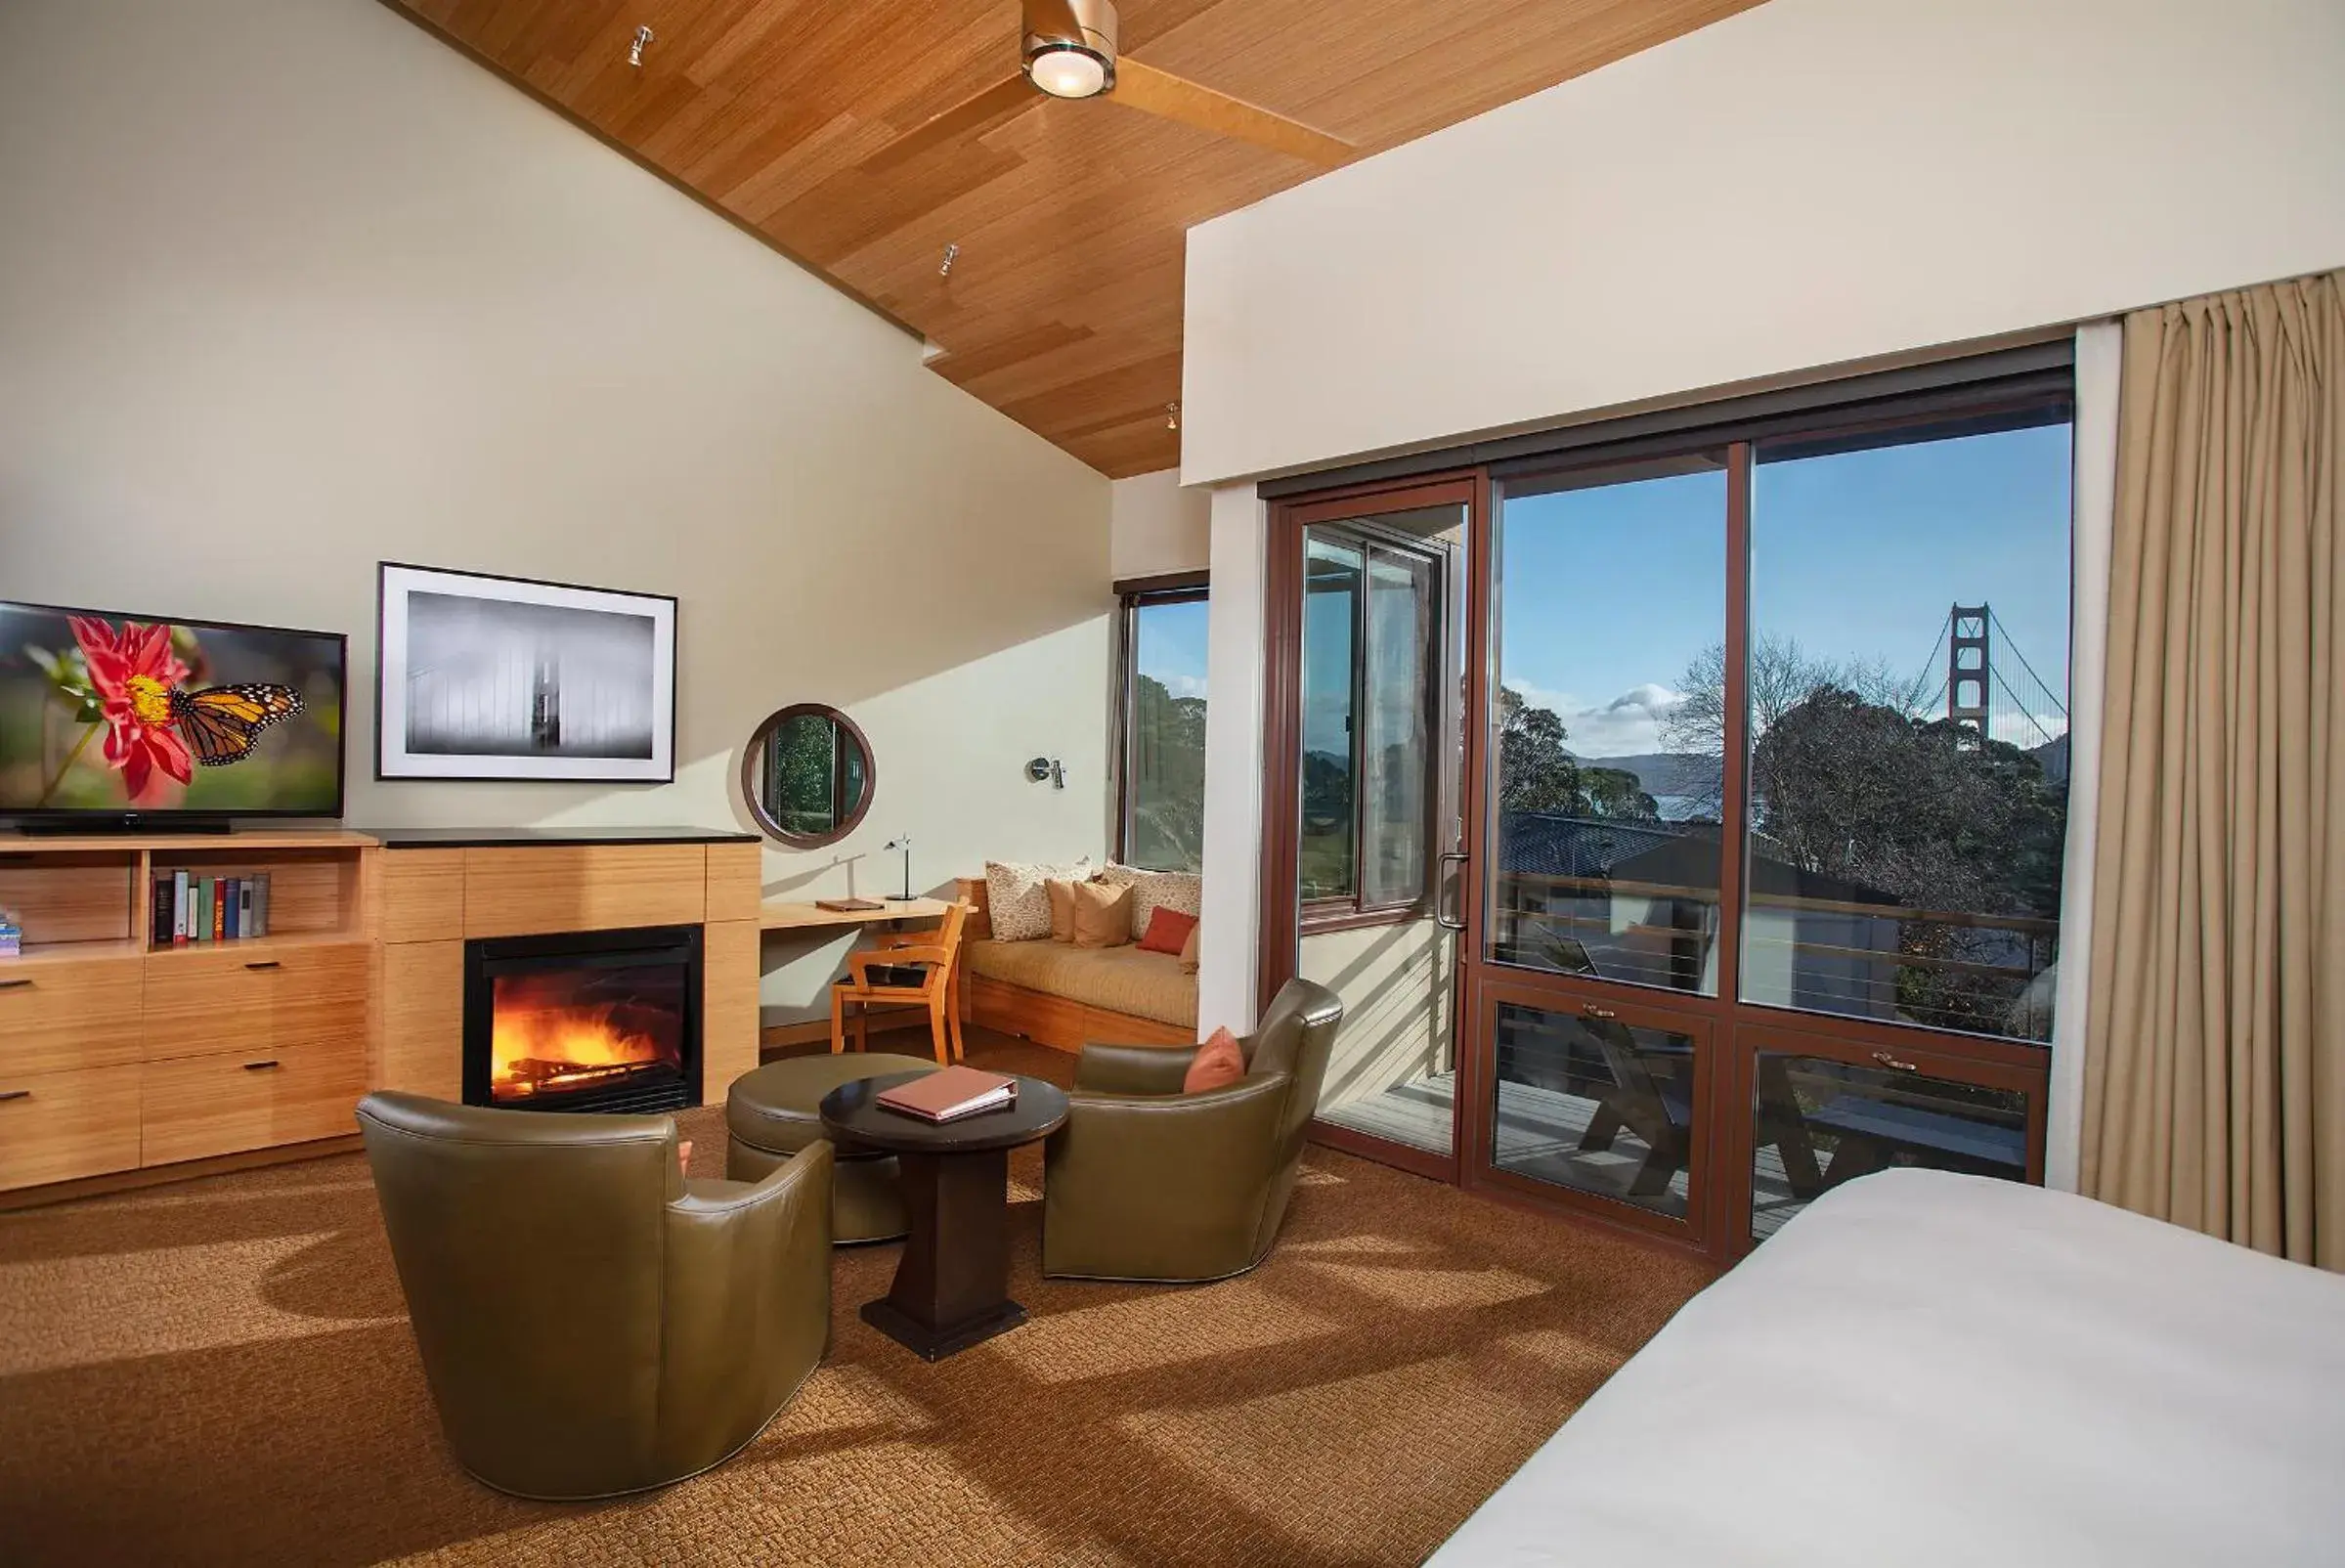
1355, 910
1134, 595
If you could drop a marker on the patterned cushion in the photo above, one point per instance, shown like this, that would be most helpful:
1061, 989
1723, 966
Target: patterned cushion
1017, 902
1179, 890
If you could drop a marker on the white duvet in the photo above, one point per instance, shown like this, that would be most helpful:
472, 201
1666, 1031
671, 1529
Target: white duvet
1935, 1369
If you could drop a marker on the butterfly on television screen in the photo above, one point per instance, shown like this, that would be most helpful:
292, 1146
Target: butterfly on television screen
224, 723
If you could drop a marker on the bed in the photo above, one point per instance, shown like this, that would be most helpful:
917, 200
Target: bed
1926, 1369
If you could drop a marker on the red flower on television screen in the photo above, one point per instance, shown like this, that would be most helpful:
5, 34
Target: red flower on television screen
135, 672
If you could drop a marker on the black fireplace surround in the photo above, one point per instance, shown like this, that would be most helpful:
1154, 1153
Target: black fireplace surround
634, 995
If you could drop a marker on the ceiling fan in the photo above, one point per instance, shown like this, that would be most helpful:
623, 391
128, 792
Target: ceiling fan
1067, 50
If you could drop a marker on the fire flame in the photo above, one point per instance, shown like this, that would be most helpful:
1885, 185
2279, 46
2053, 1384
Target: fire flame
533, 1050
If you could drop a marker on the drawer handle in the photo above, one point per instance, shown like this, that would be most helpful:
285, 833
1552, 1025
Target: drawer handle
1889, 1061
1593, 1011
259, 1066
15, 1094
265, 963
15, 982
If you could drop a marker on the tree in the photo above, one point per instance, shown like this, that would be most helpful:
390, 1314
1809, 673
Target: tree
1782, 676
1930, 815
1167, 787
1538, 774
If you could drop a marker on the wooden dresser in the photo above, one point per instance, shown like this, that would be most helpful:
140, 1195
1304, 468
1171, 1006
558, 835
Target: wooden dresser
121, 1060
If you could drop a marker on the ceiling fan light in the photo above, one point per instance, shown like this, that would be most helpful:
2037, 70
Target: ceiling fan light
1067, 71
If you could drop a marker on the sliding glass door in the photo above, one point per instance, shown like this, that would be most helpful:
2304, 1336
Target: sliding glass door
1683, 820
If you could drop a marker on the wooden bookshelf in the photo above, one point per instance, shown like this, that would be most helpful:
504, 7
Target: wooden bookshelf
124, 1061
117, 1054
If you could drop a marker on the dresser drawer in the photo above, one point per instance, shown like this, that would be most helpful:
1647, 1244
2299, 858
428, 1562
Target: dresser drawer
195, 1107
239, 998
62, 1014
56, 1126
322, 996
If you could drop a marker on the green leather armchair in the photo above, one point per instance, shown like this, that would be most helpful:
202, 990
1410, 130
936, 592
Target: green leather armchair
1146, 1183
591, 1323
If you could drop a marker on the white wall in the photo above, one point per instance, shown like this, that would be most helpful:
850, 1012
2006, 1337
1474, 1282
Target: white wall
1228, 926
1805, 184
1156, 527
289, 287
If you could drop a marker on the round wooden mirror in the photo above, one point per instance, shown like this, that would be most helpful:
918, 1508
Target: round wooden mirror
808, 776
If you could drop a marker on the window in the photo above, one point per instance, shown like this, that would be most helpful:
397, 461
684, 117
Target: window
1908, 725
1162, 813
1372, 628
1898, 703
1611, 583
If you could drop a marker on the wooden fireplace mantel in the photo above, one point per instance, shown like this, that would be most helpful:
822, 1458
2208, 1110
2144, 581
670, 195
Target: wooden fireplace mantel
121, 1061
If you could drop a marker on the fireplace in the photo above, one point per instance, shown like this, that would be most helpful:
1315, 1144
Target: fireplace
583, 1021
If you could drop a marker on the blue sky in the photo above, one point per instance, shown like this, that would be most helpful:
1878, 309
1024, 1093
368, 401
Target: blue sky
1172, 646
1609, 593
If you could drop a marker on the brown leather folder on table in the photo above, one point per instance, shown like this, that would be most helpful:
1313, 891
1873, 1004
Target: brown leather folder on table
950, 1093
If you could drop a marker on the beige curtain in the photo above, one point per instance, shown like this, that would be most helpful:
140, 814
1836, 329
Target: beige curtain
2215, 1045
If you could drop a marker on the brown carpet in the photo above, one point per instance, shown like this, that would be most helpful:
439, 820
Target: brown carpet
221, 1371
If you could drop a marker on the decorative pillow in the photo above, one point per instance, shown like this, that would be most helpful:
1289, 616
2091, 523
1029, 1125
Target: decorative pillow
1102, 914
1217, 1065
1168, 931
1189, 950
1063, 909
1152, 890
1019, 904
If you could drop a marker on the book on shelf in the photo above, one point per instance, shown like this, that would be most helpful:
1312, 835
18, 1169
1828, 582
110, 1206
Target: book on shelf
950, 1093
847, 906
179, 908
229, 900
260, 904
244, 906
219, 909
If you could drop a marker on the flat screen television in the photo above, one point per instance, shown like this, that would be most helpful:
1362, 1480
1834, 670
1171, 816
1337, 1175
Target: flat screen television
107, 719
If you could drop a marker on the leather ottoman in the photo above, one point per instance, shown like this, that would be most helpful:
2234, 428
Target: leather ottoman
775, 1112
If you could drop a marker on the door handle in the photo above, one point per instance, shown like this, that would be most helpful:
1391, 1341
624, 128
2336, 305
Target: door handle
265, 963
260, 1067
1889, 1061
1444, 921
15, 1094
15, 982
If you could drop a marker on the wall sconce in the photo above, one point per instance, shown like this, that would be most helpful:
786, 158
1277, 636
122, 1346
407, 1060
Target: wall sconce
1047, 767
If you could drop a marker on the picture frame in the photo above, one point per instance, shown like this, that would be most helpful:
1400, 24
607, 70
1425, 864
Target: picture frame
482, 677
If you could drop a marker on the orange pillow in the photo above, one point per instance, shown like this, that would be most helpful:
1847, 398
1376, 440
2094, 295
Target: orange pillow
1063, 909
1217, 1065
1102, 914
1168, 931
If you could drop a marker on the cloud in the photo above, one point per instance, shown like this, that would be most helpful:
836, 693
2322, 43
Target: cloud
1627, 726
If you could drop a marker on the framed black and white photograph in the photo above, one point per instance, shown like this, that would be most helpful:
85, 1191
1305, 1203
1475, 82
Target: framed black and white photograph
481, 677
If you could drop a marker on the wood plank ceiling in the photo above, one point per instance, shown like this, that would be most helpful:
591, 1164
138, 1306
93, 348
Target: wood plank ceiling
1062, 308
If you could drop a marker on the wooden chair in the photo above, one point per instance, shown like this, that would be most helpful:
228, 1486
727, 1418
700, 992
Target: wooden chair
933, 953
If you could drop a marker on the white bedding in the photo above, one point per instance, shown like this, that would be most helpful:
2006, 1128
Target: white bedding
1926, 1369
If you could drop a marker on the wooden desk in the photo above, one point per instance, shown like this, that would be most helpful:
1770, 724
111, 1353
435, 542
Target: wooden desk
777, 914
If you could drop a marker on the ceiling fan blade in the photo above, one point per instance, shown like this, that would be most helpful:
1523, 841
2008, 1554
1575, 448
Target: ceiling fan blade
955, 123
1177, 98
